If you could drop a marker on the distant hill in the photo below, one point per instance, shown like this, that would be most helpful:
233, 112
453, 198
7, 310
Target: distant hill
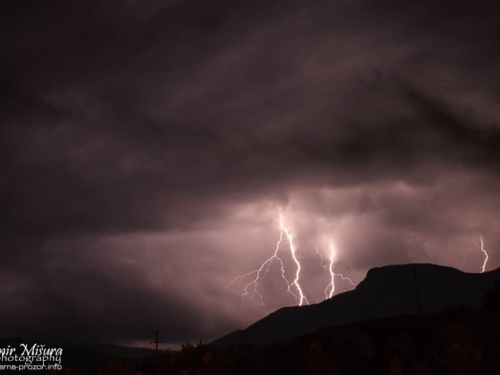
385, 292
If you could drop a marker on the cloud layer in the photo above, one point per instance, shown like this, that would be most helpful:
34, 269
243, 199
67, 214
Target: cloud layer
147, 147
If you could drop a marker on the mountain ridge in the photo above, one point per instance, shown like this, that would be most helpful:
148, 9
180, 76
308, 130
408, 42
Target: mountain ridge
405, 289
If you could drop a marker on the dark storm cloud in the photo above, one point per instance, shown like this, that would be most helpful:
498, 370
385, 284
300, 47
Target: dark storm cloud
130, 120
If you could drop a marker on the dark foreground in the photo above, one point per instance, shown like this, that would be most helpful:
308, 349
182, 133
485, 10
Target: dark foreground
460, 340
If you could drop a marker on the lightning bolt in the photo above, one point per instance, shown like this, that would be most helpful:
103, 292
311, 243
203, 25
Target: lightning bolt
294, 288
332, 275
330, 288
252, 287
476, 248
302, 298
485, 254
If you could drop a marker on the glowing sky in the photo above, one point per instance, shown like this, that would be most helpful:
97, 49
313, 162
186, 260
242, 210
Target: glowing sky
146, 148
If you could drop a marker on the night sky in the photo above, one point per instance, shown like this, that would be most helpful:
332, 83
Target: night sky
148, 147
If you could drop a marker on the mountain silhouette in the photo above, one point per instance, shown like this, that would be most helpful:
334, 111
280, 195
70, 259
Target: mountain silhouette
385, 292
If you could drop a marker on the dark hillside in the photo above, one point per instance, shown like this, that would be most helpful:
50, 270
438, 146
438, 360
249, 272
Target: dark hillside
385, 292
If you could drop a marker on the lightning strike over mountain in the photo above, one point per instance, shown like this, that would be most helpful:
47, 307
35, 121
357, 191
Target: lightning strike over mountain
332, 274
293, 287
261, 273
302, 298
476, 248
485, 254
330, 288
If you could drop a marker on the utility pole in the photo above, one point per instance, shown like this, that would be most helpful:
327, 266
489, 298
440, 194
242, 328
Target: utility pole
157, 339
416, 289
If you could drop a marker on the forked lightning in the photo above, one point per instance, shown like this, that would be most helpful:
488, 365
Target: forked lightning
260, 273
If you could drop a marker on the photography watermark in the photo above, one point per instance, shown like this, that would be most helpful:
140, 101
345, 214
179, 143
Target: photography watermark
30, 357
